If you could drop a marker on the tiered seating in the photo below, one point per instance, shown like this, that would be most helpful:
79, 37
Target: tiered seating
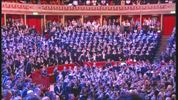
24, 51
170, 52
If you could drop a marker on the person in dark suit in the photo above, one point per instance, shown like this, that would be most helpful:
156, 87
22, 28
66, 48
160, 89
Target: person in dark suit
28, 68
44, 72
57, 89
27, 1
117, 2
56, 73
64, 72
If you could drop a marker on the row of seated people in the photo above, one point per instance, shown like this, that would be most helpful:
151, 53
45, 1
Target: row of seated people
170, 52
144, 79
91, 2
117, 82
111, 24
114, 2
65, 47
138, 81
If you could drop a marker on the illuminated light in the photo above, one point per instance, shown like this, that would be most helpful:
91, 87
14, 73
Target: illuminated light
158, 31
173, 12
35, 13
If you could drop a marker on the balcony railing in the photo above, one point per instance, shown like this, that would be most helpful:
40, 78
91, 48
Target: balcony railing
18, 8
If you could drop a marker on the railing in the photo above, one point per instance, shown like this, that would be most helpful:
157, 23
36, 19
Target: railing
64, 9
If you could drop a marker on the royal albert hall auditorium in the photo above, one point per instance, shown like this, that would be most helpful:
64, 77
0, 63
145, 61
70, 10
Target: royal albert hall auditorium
88, 50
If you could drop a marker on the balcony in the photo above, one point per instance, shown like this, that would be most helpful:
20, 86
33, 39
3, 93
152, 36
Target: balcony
28, 9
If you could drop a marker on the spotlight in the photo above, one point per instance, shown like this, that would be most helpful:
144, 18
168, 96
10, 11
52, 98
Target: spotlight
35, 13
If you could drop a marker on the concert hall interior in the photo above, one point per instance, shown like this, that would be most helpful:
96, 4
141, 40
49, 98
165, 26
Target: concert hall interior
88, 50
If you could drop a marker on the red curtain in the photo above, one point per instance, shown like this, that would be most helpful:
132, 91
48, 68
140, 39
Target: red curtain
2, 19
125, 17
136, 17
34, 21
38, 79
53, 18
71, 18
91, 18
169, 21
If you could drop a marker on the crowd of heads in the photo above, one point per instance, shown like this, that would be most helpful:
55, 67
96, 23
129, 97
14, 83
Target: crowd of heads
76, 43
92, 2
119, 81
170, 52
24, 51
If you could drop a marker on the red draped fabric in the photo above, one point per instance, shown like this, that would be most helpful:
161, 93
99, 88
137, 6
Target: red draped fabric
136, 17
2, 19
38, 79
34, 21
125, 17
53, 18
91, 18
169, 21
100, 64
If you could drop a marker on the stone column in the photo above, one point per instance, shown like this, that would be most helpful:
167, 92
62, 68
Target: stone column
120, 19
5, 19
140, 20
44, 20
63, 19
25, 19
161, 21
101, 19
42, 24
82, 19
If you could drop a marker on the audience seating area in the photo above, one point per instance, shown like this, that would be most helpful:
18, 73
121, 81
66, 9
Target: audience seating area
87, 61
170, 52
91, 2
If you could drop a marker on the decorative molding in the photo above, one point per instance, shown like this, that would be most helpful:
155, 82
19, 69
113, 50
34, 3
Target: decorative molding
18, 8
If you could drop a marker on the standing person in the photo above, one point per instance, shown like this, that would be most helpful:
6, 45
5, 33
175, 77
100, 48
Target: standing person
122, 27
127, 26
117, 2
28, 68
56, 73
57, 89
64, 72
27, 1
82, 2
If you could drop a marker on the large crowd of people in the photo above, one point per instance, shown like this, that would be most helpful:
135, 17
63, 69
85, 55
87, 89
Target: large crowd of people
170, 52
118, 82
24, 51
137, 81
74, 43
92, 2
